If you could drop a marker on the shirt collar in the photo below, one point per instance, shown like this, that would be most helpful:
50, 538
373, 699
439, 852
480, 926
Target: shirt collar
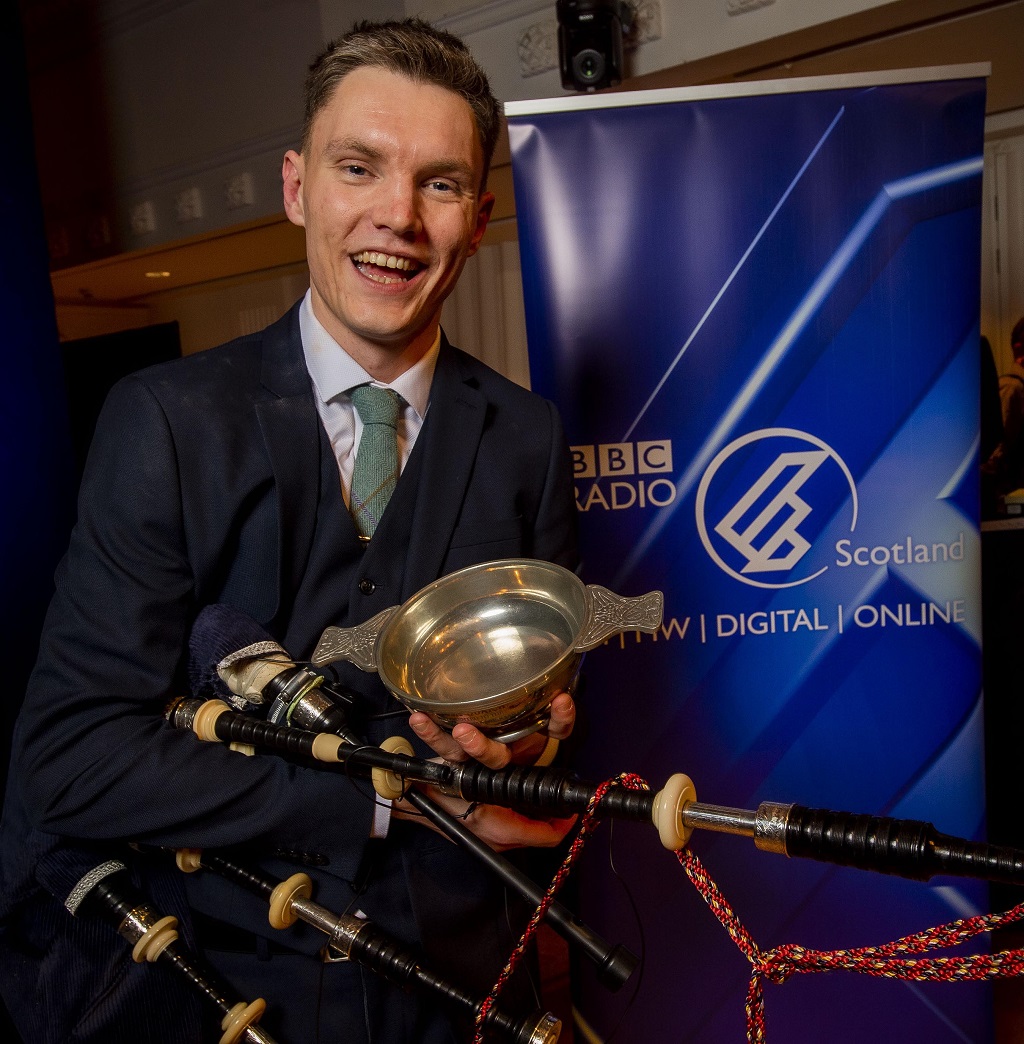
334, 372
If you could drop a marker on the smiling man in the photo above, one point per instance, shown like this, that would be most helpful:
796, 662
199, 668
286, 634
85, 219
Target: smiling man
389, 187
233, 477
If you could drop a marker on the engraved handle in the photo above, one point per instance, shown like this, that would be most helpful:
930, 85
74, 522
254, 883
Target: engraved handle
358, 644
609, 613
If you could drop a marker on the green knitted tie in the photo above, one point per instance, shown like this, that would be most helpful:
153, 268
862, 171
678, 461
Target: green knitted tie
376, 467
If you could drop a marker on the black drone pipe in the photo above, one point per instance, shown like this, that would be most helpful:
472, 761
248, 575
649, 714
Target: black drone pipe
84, 886
361, 941
905, 848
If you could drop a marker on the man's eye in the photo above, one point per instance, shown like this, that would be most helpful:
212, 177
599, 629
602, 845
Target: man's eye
441, 186
355, 169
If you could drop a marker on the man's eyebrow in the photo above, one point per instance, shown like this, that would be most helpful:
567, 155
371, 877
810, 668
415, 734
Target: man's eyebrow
450, 168
338, 147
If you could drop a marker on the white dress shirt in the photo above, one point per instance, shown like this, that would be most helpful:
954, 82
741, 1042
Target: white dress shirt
335, 373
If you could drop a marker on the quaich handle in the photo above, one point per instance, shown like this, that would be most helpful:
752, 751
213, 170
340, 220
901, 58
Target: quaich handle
356, 644
609, 613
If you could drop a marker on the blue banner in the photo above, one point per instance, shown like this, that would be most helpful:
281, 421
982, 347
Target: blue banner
757, 308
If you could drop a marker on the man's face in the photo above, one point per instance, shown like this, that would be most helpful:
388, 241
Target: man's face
389, 194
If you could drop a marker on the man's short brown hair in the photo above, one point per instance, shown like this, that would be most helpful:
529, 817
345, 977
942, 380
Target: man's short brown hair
412, 48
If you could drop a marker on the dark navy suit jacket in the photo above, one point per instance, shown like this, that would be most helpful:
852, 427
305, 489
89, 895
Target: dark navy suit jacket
202, 487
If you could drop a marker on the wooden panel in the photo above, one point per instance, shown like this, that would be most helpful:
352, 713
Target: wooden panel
257, 246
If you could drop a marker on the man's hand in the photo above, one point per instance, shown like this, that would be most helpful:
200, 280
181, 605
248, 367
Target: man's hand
501, 828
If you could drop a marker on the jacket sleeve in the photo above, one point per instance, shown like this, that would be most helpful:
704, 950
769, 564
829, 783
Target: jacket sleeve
96, 758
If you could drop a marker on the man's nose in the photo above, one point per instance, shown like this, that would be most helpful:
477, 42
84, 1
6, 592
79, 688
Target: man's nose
397, 208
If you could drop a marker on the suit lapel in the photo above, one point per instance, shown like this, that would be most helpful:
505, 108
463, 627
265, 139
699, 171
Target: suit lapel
449, 441
291, 432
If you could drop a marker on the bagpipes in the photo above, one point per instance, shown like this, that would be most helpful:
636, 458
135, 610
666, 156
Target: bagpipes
306, 721
79, 876
92, 886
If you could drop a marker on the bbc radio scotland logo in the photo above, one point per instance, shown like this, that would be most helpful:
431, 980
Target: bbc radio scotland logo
613, 476
762, 500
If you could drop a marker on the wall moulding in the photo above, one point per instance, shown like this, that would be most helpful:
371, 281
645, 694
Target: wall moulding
480, 17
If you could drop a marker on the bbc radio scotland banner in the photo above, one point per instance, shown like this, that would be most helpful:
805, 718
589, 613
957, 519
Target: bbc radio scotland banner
757, 308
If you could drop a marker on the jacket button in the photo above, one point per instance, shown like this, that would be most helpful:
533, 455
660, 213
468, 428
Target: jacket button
367, 586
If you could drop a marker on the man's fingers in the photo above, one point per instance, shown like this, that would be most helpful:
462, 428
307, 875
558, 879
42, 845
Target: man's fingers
435, 737
488, 752
563, 717
467, 741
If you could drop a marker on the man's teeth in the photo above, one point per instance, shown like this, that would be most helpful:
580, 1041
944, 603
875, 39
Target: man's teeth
371, 257
380, 261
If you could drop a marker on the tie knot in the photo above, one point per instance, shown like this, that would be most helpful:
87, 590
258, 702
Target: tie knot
376, 405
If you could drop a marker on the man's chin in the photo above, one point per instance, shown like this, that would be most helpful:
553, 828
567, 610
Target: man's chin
395, 338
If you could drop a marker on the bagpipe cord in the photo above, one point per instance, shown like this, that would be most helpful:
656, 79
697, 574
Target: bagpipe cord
893, 960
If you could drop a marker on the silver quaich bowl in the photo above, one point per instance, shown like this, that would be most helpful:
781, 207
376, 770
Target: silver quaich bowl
491, 644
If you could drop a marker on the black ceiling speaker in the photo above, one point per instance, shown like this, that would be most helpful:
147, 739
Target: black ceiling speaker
590, 42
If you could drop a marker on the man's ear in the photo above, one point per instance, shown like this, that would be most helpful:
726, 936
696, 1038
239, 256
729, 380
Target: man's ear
292, 173
483, 215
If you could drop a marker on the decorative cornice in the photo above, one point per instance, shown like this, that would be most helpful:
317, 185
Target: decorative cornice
538, 48
488, 15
